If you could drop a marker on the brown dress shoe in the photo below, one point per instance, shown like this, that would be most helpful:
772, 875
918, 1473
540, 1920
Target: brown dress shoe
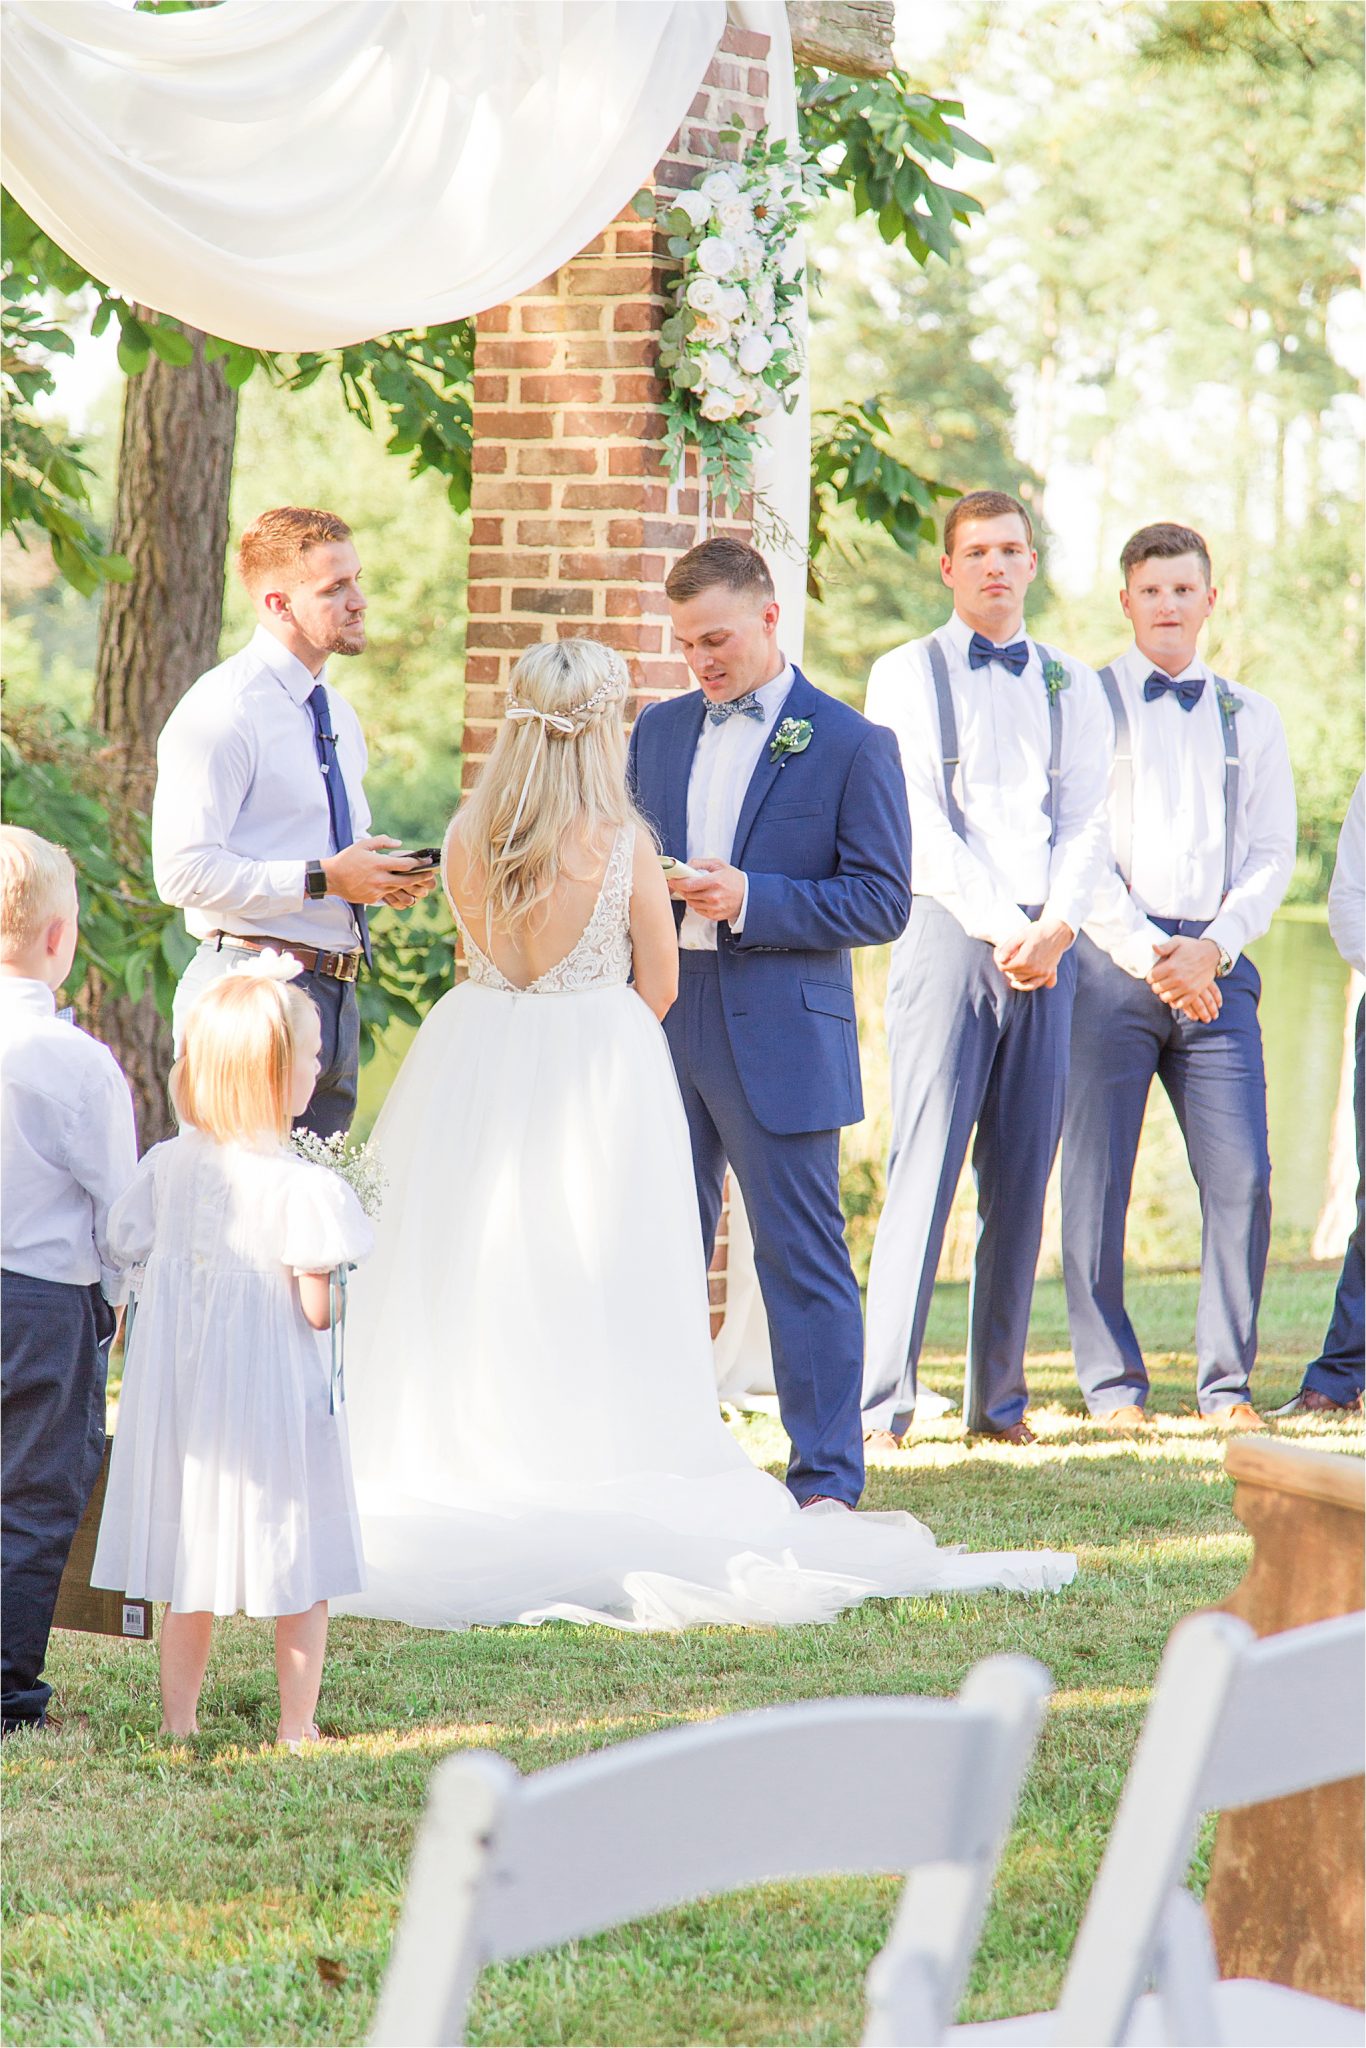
1311, 1402
1239, 1415
1130, 1416
1017, 1433
882, 1440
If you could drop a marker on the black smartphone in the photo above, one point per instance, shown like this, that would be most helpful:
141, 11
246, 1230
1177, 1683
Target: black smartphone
425, 856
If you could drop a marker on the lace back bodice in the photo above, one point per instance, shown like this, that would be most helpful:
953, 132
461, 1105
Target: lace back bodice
601, 955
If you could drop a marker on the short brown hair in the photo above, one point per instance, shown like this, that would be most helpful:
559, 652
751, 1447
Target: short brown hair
276, 542
37, 882
984, 505
1163, 543
732, 563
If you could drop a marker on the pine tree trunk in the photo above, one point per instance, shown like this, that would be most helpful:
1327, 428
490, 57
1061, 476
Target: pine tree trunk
160, 631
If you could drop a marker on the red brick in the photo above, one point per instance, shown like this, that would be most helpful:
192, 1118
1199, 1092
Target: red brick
486, 533
555, 533
486, 457
583, 389
625, 533
510, 426
628, 603
549, 598
616, 352
489, 390
482, 668
499, 565
594, 248
636, 388
634, 314
728, 76
478, 738
510, 497
756, 84
560, 318
609, 280
515, 355
494, 320
502, 633
614, 497
634, 238
738, 42
633, 462
701, 104
676, 176
556, 461
668, 533
613, 568
600, 425
483, 597
483, 702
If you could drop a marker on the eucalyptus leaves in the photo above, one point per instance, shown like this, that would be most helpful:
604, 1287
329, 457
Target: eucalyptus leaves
727, 349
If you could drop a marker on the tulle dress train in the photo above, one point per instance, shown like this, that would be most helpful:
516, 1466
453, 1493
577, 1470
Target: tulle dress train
531, 1394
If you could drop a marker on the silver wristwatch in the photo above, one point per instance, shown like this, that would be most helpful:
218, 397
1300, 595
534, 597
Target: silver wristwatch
1225, 963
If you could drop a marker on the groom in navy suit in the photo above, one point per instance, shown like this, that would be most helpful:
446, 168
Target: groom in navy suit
795, 807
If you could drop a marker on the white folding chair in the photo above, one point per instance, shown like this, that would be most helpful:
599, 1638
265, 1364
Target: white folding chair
1226, 1728
505, 1865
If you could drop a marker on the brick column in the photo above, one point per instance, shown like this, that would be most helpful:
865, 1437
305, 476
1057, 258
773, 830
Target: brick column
573, 528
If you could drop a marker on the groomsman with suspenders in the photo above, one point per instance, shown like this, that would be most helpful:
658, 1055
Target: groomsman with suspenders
1006, 751
1202, 818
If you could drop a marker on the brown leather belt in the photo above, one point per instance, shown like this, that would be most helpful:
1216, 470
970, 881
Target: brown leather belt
340, 966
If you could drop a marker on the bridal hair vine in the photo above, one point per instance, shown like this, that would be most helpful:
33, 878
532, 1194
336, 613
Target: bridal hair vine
269, 965
567, 724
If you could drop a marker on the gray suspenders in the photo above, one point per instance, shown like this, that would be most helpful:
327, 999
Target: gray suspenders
1123, 813
948, 739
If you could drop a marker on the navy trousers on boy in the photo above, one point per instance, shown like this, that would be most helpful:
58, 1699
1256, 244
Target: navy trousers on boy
1340, 1368
791, 1188
1123, 1035
965, 1049
54, 1346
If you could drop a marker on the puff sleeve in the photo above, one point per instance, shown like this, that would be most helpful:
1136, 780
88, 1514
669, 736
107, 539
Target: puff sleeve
323, 1225
132, 1217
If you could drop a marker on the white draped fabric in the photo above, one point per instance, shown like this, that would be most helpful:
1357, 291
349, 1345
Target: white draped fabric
299, 174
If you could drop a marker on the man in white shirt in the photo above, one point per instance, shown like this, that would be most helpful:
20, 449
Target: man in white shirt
67, 1152
259, 816
1333, 1383
1202, 822
1005, 752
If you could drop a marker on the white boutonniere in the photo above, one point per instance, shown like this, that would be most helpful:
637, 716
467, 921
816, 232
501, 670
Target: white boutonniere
792, 737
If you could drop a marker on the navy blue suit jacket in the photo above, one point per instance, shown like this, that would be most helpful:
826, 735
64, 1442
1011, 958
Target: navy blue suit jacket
825, 838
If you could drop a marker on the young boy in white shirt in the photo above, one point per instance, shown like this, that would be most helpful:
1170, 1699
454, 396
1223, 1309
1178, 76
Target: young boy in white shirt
67, 1151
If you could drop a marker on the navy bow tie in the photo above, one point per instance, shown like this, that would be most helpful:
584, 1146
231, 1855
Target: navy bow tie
981, 653
747, 706
1187, 692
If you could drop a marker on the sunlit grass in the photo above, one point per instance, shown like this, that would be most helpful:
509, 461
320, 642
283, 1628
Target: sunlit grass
164, 1891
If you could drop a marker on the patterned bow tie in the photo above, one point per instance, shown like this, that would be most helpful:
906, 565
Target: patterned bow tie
1014, 657
1187, 692
748, 707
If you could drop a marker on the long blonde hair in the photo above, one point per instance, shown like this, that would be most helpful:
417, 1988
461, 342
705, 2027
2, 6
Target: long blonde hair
234, 1076
557, 772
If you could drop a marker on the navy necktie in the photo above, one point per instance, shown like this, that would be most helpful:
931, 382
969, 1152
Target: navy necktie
1187, 692
338, 809
1014, 657
747, 707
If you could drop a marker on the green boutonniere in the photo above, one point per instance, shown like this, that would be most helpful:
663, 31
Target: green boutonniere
792, 737
1055, 679
1229, 704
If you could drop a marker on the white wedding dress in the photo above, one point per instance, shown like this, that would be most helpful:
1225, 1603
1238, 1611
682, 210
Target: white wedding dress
532, 1401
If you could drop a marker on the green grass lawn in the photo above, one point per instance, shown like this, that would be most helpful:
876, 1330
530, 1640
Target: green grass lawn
185, 1892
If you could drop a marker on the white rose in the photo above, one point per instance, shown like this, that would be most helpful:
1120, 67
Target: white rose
711, 328
754, 352
719, 186
735, 216
705, 296
732, 304
766, 402
718, 405
716, 256
717, 370
697, 208
761, 301
780, 337
746, 256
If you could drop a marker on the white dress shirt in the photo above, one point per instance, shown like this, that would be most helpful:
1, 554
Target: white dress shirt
241, 800
1347, 890
1001, 783
67, 1144
723, 764
1179, 821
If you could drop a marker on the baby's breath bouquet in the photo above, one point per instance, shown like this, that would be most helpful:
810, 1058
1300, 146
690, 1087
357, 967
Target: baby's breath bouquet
358, 1165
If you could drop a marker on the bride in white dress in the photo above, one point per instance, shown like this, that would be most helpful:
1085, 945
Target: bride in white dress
532, 1400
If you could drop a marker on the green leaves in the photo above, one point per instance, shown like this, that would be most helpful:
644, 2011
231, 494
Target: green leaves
851, 464
875, 138
43, 474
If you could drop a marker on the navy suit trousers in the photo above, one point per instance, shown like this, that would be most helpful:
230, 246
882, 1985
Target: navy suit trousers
965, 1049
1340, 1369
54, 1346
1123, 1035
791, 1188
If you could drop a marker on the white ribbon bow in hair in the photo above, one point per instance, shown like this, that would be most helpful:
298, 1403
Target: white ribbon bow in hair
551, 721
269, 965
